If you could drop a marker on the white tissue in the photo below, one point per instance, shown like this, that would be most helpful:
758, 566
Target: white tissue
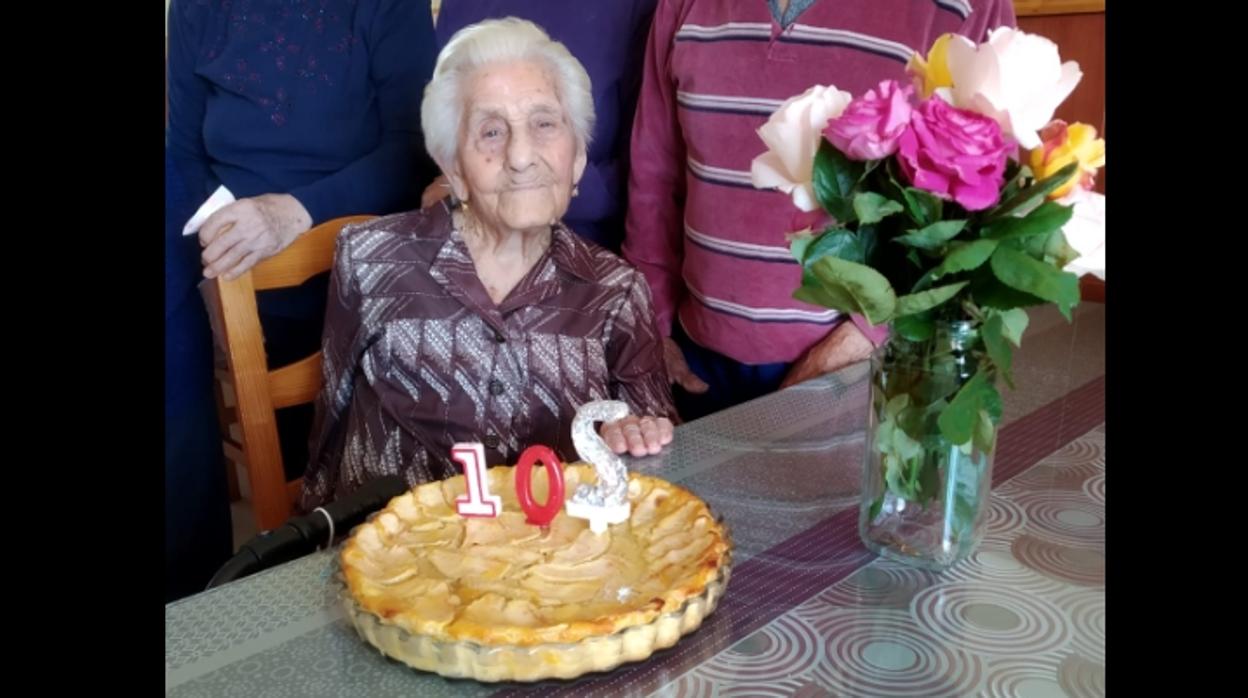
219, 198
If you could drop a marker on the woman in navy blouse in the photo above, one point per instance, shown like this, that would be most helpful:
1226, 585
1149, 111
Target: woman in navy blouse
305, 110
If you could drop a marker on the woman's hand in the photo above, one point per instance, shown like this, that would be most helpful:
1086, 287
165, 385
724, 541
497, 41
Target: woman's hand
248, 231
640, 436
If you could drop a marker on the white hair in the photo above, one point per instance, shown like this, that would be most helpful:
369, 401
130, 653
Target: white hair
499, 41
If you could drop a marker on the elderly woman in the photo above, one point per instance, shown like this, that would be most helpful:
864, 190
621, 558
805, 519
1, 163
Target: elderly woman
610, 42
487, 320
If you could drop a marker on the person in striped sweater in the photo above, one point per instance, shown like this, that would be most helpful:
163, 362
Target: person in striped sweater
712, 247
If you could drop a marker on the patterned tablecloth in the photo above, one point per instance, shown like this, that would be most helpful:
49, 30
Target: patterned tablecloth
809, 611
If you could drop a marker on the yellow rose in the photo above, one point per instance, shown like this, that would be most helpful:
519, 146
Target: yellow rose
932, 73
1061, 145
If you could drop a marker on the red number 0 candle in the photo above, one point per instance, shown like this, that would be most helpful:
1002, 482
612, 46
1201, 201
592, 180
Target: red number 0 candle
539, 515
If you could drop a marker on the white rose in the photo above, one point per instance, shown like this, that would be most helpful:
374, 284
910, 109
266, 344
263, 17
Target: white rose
1016, 78
792, 135
1085, 231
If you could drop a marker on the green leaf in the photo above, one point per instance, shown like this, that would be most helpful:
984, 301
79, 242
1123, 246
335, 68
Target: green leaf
1060, 250
931, 427
915, 328
925, 281
966, 256
1013, 325
957, 421
892, 476
890, 181
926, 300
929, 484
813, 292
867, 239
924, 208
964, 511
884, 436
1030, 194
840, 174
1015, 178
911, 419
988, 292
933, 236
799, 245
916, 469
1043, 220
871, 207
905, 446
837, 242
991, 402
1053, 249
998, 347
985, 432
871, 292
1019, 271
876, 506
834, 178
896, 404
897, 448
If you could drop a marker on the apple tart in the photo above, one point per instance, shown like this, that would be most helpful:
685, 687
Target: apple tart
499, 599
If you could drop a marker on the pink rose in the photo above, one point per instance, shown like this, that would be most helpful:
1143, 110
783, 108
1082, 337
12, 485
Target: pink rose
869, 127
955, 154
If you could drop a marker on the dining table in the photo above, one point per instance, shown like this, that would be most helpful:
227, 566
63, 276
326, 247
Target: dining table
808, 611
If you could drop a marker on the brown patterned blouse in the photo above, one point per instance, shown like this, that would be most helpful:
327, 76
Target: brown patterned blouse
418, 357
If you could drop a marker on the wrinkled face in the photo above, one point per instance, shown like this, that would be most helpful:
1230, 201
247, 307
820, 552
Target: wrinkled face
518, 156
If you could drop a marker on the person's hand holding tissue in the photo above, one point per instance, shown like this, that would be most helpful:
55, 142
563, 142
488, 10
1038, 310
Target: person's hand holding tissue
247, 231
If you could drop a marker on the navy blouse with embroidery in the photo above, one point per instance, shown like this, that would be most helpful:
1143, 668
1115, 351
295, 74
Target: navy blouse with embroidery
315, 98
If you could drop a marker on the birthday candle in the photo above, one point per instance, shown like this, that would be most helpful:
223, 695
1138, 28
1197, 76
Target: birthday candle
607, 502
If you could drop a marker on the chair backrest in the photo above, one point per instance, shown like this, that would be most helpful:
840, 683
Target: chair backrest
257, 390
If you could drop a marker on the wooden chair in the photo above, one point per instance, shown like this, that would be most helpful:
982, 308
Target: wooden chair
248, 392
